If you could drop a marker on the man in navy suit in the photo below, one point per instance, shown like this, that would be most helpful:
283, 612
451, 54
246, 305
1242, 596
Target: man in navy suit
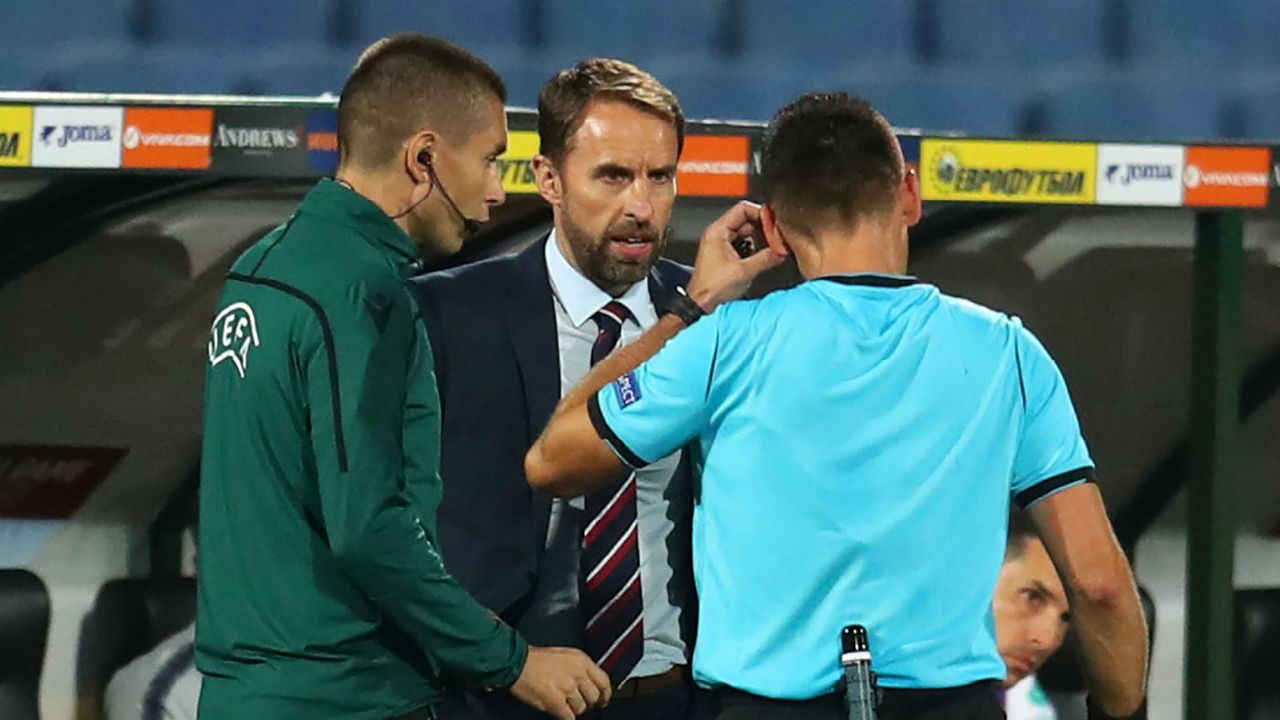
608, 572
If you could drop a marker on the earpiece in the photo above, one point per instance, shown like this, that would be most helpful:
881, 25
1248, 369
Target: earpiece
469, 226
424, 161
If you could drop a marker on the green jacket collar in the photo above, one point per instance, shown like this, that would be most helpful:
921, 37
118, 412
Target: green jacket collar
339, 203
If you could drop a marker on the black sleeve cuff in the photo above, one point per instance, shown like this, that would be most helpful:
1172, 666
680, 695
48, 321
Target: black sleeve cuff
607, 434
1031, 495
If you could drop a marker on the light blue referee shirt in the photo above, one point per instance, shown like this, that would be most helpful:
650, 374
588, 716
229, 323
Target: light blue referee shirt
863, 436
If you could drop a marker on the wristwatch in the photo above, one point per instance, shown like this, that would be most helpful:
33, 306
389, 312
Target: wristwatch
683, 307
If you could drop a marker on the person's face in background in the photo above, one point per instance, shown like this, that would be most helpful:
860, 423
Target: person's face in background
1031, 610
469, 172
612, 193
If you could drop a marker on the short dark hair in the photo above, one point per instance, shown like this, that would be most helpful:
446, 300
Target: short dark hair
829, 157
404, 83
1021, 530
564, 99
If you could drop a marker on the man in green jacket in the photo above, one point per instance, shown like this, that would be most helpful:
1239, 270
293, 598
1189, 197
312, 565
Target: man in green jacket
321, 593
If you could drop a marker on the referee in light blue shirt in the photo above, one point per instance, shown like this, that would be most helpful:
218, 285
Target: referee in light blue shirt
863, 436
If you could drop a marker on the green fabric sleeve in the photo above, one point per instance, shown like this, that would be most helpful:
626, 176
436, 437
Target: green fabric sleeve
357, 381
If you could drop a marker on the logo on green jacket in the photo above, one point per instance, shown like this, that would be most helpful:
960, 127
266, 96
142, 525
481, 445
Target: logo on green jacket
234, 332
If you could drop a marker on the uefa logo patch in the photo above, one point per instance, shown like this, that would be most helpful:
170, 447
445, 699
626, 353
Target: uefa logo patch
233, 335
627, 390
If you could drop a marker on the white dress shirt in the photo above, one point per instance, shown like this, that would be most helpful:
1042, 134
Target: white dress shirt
662, 506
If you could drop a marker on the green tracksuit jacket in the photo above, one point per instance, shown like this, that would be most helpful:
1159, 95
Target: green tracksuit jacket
321, 590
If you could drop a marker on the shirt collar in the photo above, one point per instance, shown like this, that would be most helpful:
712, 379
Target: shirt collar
339, 203
885, 280
582, 298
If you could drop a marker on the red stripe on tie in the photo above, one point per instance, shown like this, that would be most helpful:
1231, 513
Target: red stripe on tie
627, 547
617, 311
606, 517
634, 635
619, 601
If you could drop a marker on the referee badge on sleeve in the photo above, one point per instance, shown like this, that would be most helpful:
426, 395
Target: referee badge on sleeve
628, 390
234, 333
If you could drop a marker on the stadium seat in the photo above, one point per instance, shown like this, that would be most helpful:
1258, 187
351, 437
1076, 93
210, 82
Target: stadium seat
130, 617
824, 33
39, 28
1183, 33
1257, 654
130, 69
960, 101
240, 23
314, 71
712, 87
294, 72
638, 32
24, 628
478, 25
1132, 105
20, 71
524, 74
1029, 35
1256, 25
1254, 108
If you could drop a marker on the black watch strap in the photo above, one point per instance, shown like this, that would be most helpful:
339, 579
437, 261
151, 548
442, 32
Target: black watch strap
683, 307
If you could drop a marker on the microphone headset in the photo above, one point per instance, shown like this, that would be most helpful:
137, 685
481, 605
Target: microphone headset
469, 226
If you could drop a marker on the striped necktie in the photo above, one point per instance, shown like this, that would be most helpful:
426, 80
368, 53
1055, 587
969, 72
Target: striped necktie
611, 601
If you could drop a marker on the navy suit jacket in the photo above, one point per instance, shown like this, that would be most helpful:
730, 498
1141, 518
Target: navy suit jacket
493, 333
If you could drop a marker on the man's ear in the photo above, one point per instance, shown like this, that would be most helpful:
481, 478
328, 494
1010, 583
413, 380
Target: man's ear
423, 141
773, 231
547, 177
912, 205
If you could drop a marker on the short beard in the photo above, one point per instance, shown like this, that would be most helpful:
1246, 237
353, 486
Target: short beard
592, 257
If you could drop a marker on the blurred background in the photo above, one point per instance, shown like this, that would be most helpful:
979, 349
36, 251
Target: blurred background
1119, 68
108, 280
